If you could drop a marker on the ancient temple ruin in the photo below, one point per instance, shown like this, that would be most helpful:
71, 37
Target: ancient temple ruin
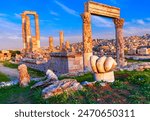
30, 43
98, 9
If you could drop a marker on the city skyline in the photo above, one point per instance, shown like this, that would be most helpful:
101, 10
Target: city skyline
58, 15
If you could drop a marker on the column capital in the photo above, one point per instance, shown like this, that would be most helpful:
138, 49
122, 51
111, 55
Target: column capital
119, 22
23, 15
36, 15
86, 16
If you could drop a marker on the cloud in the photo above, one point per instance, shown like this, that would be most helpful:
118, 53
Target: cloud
148, 19
3, 15
137, 27
54, 13
140, 21
10, 34
18, 16
68, 10
133, 30
101, 22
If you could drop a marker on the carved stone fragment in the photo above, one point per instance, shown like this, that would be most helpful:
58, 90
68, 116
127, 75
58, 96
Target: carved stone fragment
24, 77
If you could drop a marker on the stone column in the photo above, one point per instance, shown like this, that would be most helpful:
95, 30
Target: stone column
28, 34
87, 39
61, 34
67, 45
37, 30
23, 31
51, 46
119, 42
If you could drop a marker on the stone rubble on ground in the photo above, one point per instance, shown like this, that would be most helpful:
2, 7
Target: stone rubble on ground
59, 87
50, 79
52, 86
136, 66
50, 75
10, 83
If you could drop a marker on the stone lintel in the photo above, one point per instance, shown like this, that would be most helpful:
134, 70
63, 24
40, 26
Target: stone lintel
29, 13
99, 9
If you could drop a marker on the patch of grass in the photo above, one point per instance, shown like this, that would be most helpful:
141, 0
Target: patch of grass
86, 77
128, 90
140, 79
4, 77
32, 72
35, 73
10, 65
119, 85
139, 61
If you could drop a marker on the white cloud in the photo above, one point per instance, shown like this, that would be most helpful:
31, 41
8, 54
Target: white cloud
148, 19
140, 21
10, 34
133, 30
67, 9
54, 13
18, 16
3, 15
102, 22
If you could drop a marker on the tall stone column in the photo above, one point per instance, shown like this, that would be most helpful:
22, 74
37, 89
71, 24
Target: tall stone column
51, 45
28, 34
61, 34
87, 40
23, 31
37, 30
119, 42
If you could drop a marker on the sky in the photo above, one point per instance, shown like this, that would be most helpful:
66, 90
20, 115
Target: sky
64, 15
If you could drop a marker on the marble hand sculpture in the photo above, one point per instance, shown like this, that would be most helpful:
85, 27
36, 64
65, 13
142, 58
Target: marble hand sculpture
103, 68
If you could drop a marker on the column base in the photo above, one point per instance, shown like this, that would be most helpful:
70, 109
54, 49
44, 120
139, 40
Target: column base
86, 61
107, 77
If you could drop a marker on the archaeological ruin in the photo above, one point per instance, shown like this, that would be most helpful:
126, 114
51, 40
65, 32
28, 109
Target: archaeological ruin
67, 58
98, 9
5, 55
51, 44
30, 43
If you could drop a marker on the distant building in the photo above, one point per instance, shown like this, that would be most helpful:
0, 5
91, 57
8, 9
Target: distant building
143, 50
5, 55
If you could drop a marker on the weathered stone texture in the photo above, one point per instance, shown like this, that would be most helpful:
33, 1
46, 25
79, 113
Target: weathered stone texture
102, 9
87, 39
119, 41
5, 55
24, 77
30, 42
67, 45
59, 87
61, 34
51, 45
103, 68
62, 63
